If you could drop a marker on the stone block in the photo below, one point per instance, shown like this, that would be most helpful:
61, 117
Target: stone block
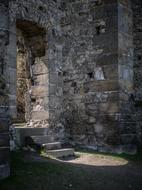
40, 115
92, 119
40, 91
54, 102
41, 79
109, 42
13, 111
125, 19
52, 146
126, 3
11, 75
12, 100
40, 66
109, 107
4, 17
61, 153
12, 88
4, 111
111, 72
101, 86
3, 99
38, 139
22, 132
107, 59
125, 43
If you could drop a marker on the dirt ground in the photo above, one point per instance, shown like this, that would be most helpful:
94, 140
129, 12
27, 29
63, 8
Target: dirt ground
89, 171
103, 172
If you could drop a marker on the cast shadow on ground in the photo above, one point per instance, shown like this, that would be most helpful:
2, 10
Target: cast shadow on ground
31, 171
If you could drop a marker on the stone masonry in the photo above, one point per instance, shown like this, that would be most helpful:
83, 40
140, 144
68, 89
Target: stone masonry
73, 67
4, 114
97, 72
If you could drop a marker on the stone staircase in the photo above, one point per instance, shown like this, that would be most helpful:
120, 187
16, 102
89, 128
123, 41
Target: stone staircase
53, 149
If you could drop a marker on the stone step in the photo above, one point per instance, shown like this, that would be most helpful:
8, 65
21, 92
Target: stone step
61, 152
52, 146
20, 125
39, 139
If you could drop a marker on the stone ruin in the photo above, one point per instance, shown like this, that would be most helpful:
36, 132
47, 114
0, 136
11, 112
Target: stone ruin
74, 68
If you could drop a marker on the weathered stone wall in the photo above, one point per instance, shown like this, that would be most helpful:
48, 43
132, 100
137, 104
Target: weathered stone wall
90, 71
33, 72
81, 82
23, 81
81, 69
126, 120
97, 69
46, 90
137, 34
4, 109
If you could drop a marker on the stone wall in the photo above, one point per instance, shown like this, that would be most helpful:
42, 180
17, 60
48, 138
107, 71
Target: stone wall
82, 71
39, 22
90, 71
4, 109
137, 34
32, 72
97, 49
79, 70
127, 123
23, 81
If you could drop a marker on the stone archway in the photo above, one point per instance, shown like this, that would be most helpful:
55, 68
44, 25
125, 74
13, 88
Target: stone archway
42, 15
31, 89
32, 72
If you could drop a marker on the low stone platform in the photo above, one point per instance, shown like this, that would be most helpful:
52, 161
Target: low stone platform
53, 149
22, 131
61, 152
51, 146
38, 138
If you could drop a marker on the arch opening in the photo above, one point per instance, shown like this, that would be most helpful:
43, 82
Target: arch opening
32, 72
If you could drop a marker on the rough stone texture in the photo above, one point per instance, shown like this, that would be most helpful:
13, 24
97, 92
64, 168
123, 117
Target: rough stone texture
125, 68
23, 81
4, 111
137, 31
79, 66
32, 72
97, 71
39, 49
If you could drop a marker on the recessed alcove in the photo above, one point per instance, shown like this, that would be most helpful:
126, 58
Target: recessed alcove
31, 69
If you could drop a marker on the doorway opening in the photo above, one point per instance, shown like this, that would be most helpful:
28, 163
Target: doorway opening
31, 51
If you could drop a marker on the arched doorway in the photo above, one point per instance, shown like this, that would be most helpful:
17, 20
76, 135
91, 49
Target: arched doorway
31, 92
